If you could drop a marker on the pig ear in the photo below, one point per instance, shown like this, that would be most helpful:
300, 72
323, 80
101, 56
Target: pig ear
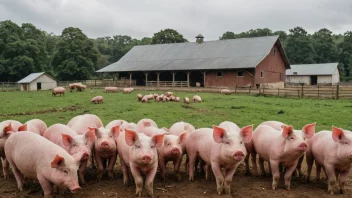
337, 134
66, 139
158, 140
309, 130
286, 130
8, 129
130, 137
246, 133
58, 161
146, 123
116, 131
183, 137
90, 135
218, 134
23, 127
95, 129
165, 129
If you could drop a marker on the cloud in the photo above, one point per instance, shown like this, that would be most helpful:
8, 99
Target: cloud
142, 18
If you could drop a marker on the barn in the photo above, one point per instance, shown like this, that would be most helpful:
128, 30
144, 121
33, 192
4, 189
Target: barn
240, 62
37, 81
313, 74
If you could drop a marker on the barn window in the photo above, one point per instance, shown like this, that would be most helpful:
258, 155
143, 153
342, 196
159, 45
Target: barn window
281, 77
219, 74
294, 73
262, 74
240, 73
274, 52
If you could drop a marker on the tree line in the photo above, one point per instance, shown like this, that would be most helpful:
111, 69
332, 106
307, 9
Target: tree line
73, 56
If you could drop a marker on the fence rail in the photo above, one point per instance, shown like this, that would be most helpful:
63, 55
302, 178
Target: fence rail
99, 83
167, 84
9, 86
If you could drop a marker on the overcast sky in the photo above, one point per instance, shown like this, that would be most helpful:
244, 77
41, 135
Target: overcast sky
142, 18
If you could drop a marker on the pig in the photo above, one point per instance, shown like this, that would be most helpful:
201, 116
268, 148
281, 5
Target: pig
105, 150
81, 123
218, 148
32, 156
73, 143
145, 99
186, 100
72, 86
110, 89
115, 123
331, 151
146, 123
172, 98
177, 99
197, 84
197, 98
58, 90
132, 126
150, 96
36, 126
169, 94
97, 99
127, 90
7, 128
138, 153
279, 148
150, 131
155, 95
81, 87
139, 97
226, 92
165, 98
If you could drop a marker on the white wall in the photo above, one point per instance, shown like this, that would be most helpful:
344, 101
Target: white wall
298, 79
47, 83
324, 79
336, 77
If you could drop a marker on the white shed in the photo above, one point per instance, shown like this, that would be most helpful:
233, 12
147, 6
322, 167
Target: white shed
37, 81
314, 74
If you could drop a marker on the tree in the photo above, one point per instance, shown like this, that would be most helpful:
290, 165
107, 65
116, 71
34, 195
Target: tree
168, 36
299, 48
325, 49
145, 41
76, 56
345, 57
282, 35
228, 35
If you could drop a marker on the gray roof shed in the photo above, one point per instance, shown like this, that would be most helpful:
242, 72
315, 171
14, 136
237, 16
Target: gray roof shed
312, 69
221, 54
31, 77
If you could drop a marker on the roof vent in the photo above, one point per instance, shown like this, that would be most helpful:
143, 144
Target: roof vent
200, 38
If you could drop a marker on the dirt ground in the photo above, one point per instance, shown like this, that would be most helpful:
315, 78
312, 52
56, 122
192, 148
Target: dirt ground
242, 186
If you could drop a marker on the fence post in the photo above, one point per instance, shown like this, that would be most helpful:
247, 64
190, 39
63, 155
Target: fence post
263, 91
301, 91
278, 91
249, 93
318, 92
337, 91
235, 89
299, 95
2, 86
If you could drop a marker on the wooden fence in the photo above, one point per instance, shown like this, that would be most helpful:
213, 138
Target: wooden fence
9, 86
167, 84
99, 83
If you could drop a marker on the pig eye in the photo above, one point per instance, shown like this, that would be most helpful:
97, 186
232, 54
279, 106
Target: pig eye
138, 146
241, 142
292, 138
227, 143
152, 146
66, 172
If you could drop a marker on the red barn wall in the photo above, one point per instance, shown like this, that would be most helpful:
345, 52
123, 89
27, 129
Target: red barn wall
229, 78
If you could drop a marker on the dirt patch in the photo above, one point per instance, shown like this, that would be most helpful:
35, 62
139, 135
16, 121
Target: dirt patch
188, 107
65, 109
238, 107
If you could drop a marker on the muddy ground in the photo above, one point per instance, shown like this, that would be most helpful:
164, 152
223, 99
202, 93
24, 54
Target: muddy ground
242, 186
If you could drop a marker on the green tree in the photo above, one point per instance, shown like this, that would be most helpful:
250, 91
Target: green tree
168, 36
299, 48
228, 35
282, 35
324, 47
145, 41
345, 56
76, 56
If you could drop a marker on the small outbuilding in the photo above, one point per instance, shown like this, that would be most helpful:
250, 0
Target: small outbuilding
37, 81
313, 74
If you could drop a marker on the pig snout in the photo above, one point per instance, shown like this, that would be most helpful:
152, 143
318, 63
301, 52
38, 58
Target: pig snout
85, 156
302, 147
75, 189
175, 152
105, 145
146, 158
238, 155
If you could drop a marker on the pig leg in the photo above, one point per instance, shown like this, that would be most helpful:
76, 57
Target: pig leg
191, 160
219, 177
330, 172
111, 165
177, 164
318, 171
261, 166
138, 179
18, 176
276, 173
270, 173
246, 160
310, 161
254, 163
100, 167
228, 179
92, 159
46, 186
81, 171
343, 178
207, 172
5, 167
299, 166
162, 167
149, 181
124, 172
288, 175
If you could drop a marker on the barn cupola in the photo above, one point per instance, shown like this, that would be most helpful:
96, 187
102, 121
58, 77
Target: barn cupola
200, 38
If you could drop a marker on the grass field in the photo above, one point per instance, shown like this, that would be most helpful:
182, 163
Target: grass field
241, 109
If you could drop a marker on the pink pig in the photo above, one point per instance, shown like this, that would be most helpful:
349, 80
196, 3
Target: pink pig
73, 143
146, 123
279, 148
218, 148
7, 128
97, 99
33, 156
139, 153
331, 151
81, 123
115, 123
36, 126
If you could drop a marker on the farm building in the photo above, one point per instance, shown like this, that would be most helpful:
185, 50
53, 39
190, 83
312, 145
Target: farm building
37, 81
313, 74
223, 63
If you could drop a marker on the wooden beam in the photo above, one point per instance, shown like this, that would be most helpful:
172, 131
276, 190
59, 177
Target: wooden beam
188, 74
146, 78
130, 78
204, 76
158, 79
173, 78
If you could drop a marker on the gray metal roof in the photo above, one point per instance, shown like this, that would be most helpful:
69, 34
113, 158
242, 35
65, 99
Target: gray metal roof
222, 54
31, 77
312, 69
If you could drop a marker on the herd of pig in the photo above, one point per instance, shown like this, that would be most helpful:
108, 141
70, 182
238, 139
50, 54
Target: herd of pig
169, 96
60, 153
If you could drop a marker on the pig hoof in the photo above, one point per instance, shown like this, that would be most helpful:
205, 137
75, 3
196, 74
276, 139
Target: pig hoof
138, 194
178, 177
248, 173
227, 191
220, 191
342, 191
274, 187
331, 192
288, 187
111, 177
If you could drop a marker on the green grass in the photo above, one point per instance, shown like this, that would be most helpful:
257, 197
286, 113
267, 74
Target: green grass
243, 110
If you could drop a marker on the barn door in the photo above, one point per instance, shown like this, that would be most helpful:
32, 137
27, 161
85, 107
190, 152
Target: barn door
39, 86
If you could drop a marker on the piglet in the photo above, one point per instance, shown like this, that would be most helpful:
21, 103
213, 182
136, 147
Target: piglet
186, 100
225, 92
97, 99
139, 97
139, 153
197, 98
81, 123
218, 148
115, 123
146, 123
333, 152
33, 156
36, 126
58, 90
